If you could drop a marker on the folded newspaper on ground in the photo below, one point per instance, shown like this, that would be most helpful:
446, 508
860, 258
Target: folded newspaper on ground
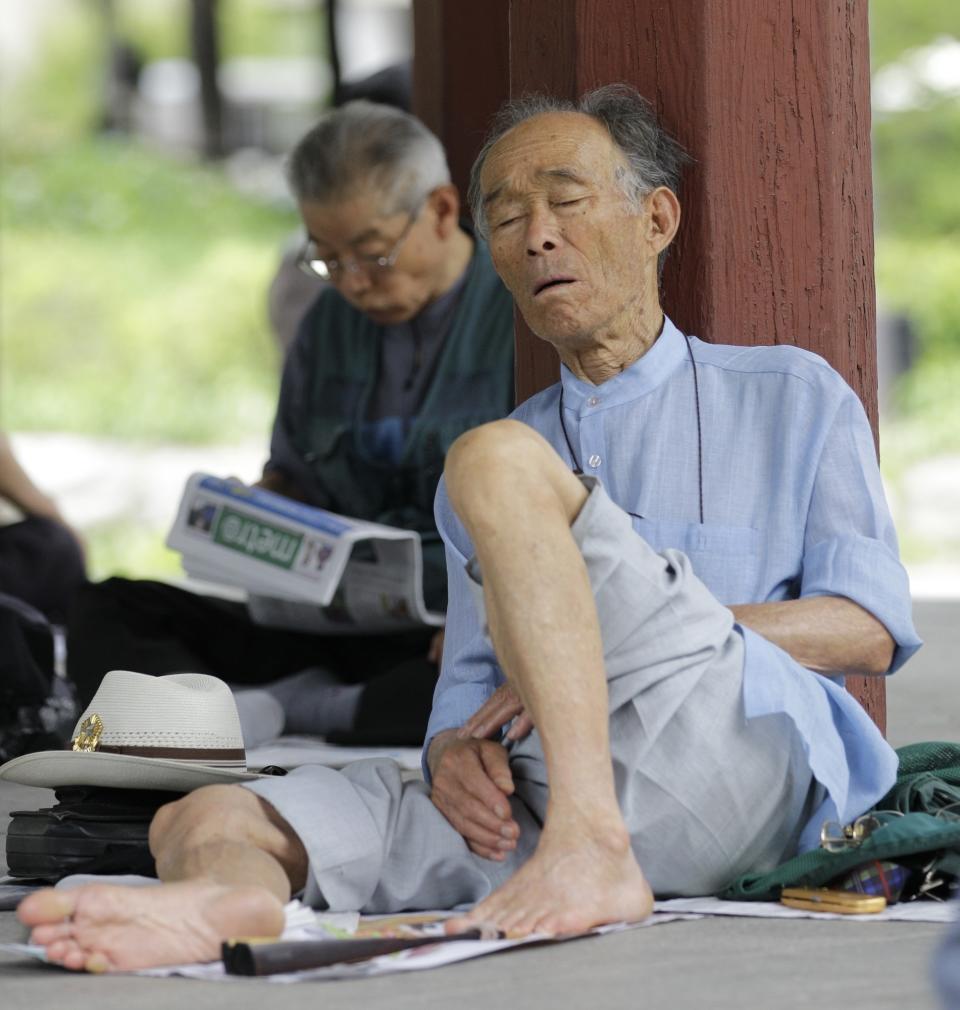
302, 567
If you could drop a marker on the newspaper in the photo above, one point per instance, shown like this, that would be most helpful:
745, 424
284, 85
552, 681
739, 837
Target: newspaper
301, 567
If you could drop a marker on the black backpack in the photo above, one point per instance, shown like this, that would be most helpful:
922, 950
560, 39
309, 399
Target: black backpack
37, 708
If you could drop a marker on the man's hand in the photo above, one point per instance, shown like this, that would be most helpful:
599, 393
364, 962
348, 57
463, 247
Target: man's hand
502, 706
471, 783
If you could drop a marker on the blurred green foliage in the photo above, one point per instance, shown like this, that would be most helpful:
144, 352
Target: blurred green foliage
896, 25
920, 277
133, 283
246, 28
133, 295
917, 171
917, 197
157, 268
57, 98
136, 296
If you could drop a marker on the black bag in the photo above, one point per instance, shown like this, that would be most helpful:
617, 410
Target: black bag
37, 708
26, 659
88, 830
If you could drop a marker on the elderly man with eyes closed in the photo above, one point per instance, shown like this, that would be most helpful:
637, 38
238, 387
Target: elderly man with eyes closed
408, 345
658, 569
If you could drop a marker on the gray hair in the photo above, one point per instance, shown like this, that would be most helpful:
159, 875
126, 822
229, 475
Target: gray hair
362, 144
653, 157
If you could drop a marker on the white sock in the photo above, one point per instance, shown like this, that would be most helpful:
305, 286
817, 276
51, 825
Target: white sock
261, 716
314, 701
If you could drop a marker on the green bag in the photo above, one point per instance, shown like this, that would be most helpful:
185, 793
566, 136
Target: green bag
918, 825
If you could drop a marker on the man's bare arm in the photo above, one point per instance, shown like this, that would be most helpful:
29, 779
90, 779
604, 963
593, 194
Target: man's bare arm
829, 634
17, 487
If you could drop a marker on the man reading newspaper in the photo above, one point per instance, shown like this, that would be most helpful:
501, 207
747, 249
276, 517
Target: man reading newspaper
409, 344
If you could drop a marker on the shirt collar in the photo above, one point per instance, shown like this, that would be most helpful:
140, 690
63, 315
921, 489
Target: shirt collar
640, 378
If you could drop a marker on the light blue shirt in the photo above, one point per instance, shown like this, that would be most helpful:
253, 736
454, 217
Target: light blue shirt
792, 506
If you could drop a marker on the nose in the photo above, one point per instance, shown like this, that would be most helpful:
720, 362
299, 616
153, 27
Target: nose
543, 234
353, 282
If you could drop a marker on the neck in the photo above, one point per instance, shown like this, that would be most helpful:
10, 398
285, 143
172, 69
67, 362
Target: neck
455, 261
615, 348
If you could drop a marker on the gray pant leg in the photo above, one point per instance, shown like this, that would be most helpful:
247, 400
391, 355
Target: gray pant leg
378, 844
706, 794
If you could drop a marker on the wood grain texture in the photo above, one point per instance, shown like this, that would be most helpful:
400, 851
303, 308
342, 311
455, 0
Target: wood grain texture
460, 74
429, 59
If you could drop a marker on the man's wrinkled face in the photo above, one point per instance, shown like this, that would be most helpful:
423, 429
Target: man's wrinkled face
355, 233
565, 239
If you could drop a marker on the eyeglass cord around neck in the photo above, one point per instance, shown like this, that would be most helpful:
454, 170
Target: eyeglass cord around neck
578, 470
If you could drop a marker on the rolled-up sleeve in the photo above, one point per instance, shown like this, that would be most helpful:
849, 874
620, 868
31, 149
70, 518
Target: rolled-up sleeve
850, 545
470, 673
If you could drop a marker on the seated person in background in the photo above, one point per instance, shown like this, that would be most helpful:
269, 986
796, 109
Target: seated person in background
408, 346
41, 560
662, 642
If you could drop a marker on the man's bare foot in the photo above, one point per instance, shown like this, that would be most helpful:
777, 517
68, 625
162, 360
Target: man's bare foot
103, 927
579, 877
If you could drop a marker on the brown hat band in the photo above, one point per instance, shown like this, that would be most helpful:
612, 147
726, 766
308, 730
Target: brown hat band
204, 754
201, 755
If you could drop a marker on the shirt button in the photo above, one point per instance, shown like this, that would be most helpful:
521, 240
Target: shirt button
593, 401
594, 461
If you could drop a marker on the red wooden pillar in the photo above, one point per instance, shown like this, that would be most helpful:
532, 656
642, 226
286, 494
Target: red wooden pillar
772, 100
460, 73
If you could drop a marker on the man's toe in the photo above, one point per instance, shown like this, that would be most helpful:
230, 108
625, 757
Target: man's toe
46, 906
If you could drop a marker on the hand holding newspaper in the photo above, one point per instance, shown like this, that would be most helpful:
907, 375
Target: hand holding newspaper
301, 567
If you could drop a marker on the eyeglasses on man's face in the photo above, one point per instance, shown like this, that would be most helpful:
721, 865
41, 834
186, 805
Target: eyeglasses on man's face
331, 269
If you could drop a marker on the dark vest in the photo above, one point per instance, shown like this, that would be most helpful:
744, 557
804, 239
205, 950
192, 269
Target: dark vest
473, 383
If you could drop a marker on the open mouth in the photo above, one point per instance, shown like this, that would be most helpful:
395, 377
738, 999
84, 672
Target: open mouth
551, 282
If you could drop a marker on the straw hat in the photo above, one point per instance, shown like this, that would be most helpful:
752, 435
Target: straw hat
177, 732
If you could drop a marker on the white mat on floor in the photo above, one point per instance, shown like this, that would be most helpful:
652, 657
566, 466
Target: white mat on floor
301, 923
910, 911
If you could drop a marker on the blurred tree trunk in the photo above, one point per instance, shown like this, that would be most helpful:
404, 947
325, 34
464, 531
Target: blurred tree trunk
333, 49
204, 44
121, 71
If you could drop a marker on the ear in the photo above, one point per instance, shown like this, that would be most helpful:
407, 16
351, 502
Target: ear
664, 219
445, 203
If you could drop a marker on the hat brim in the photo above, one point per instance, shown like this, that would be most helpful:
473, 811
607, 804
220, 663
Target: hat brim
56, 769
